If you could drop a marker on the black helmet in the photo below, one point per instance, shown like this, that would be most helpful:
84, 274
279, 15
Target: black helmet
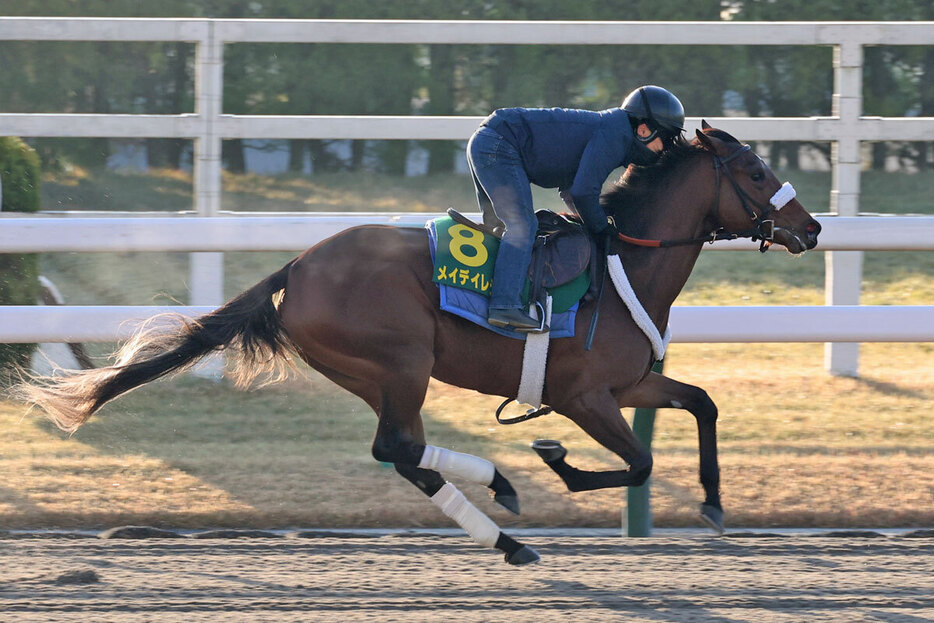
658, 108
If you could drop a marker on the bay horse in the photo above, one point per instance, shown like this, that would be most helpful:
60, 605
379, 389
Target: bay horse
361, 308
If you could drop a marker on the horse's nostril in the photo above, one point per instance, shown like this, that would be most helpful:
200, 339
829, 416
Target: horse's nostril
813, 228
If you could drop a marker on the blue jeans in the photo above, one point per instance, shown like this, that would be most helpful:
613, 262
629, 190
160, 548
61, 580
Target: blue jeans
505, 196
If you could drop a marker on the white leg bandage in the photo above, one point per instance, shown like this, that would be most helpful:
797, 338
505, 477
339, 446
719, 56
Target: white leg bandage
453, 504
464, 466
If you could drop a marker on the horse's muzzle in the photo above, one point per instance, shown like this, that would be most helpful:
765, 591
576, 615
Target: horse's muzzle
813, 229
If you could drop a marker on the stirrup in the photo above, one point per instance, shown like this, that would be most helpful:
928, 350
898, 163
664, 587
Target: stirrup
542, 325
516, 319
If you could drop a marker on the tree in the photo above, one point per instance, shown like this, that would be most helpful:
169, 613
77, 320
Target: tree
795, 81
19, 273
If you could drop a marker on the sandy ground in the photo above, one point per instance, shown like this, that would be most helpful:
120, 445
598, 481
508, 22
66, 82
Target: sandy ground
407, 577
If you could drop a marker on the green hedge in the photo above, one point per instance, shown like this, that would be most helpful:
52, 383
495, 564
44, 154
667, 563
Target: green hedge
19, 273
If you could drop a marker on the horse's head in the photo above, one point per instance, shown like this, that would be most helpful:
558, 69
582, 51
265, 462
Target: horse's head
750, 197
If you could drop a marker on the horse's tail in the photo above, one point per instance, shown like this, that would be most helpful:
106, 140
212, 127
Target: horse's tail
171, 343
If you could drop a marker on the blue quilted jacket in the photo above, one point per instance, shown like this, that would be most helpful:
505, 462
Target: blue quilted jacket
572, 150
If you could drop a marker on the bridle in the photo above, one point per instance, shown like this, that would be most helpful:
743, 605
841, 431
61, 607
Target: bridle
763, 229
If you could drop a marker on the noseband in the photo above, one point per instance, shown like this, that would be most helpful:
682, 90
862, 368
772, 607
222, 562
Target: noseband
764, 229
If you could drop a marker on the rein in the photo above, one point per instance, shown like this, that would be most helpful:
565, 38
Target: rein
764, 230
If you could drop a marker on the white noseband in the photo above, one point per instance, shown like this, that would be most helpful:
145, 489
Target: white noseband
783, 195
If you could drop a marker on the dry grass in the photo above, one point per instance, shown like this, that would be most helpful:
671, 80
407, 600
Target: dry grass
798, 448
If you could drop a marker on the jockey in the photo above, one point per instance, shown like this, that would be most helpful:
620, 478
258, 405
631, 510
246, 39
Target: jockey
572, 150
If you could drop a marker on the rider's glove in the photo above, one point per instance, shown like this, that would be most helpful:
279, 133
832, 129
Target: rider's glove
610, 231
607, 236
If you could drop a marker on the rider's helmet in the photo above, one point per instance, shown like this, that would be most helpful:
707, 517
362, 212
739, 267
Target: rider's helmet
659, 109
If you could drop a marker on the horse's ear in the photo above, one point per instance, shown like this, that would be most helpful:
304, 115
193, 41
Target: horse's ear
704, 125
705, 141
711, 143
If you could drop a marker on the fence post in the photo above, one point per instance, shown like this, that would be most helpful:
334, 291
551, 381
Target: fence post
843, 270
638, 505
206, 270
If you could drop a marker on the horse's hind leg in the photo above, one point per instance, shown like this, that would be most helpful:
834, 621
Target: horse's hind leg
400, 439
408, 454
658, 391
452, 503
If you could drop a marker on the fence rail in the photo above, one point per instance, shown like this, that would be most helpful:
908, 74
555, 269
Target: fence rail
290, 232
516, 32
294, 232
856, 323
389, 127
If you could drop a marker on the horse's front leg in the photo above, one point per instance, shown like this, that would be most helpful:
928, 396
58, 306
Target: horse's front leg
597, 413
657, 391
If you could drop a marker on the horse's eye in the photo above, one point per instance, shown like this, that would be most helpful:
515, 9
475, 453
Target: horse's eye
758, 177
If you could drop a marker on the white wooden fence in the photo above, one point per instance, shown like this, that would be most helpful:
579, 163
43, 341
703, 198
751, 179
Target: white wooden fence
261, 231
842, 324
208, 126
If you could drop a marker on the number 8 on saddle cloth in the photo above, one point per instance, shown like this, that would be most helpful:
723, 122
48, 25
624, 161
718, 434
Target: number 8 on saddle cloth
463, 256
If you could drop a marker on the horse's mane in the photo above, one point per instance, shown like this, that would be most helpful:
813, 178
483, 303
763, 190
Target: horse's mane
633, 191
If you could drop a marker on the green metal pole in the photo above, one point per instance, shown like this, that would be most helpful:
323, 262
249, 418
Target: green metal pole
638, 507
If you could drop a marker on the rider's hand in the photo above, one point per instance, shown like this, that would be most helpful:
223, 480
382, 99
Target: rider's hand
610, 231
607, 236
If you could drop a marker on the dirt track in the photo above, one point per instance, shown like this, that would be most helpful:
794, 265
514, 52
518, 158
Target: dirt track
434, 578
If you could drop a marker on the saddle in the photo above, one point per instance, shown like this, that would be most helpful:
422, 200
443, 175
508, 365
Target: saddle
562, 252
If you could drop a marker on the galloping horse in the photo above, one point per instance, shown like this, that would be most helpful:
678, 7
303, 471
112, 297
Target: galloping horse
361, 308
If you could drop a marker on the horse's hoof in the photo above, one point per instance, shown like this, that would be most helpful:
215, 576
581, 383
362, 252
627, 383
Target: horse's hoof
549, 449
713, 517
524, 556
509, 502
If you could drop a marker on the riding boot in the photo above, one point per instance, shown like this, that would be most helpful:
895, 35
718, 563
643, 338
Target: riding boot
509, 275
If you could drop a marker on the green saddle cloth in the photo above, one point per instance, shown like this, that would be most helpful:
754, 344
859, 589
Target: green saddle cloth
464, 258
